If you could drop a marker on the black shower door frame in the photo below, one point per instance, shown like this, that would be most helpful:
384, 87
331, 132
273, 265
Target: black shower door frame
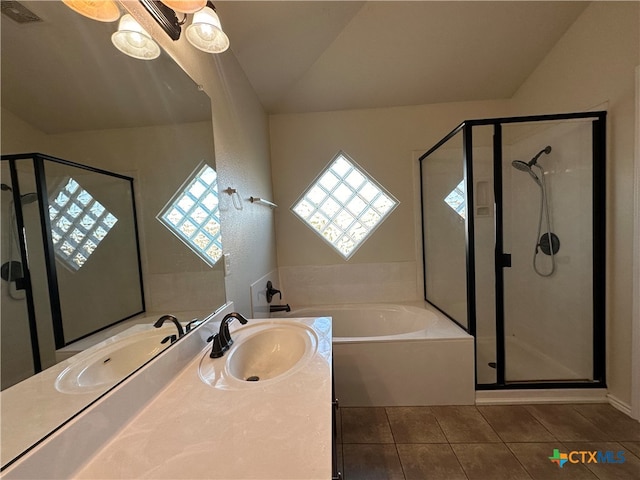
502, 258
38, 162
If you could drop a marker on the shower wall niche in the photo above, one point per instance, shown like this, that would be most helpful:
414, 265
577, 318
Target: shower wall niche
513, 223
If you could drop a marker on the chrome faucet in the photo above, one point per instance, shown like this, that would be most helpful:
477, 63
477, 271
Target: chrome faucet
222, 340
175, 321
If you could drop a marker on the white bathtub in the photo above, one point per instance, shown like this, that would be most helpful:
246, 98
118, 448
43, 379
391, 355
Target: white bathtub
398, 355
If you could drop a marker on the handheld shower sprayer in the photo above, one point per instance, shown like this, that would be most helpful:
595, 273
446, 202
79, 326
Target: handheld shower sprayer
526, 166
549, 242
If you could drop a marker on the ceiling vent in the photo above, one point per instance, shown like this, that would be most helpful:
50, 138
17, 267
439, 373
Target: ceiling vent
18, 12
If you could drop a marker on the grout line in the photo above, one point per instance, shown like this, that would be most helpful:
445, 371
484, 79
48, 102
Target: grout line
458, 460
588, 419
395, 443
490, 426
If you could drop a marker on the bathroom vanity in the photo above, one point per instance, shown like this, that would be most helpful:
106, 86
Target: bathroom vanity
208, 421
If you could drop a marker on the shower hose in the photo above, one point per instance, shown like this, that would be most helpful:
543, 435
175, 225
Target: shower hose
544, 206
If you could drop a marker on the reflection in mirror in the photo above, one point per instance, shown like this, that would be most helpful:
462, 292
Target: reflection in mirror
193, 215
88, 240
68, 92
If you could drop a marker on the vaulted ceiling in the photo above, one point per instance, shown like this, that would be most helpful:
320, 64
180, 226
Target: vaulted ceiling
323, 55
300, 56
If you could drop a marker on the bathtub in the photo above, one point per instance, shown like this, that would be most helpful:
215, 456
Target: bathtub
397, 355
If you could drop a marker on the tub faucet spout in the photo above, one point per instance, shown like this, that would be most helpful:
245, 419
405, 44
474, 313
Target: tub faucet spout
175, 321
222, 340
279, 308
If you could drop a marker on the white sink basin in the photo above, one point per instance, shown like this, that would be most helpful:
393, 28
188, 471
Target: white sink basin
102, 367
261, 353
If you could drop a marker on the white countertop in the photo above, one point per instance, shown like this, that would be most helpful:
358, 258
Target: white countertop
276, 429
33, 408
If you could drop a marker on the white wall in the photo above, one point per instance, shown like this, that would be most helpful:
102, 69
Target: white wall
593, 66
241, 137
387, 266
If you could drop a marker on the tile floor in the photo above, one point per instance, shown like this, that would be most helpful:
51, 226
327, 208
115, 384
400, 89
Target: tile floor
484, 443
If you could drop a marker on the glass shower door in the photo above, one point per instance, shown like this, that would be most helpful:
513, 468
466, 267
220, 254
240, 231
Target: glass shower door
547, 190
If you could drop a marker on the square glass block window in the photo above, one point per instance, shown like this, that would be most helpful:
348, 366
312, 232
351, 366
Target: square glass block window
456, 200
344, 205
193, 215
78, 223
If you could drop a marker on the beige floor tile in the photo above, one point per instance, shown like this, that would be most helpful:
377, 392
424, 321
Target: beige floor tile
371, 462
489, 461
628, 470
535, 459
464, 424
365, 425
514, 423
611, 421
433, 461
566, 424
414, 425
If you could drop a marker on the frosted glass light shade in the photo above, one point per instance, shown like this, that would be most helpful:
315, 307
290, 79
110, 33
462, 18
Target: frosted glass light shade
134, 41
205, 32
101, 10
185, 6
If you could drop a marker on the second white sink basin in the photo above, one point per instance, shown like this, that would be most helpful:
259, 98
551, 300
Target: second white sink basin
102, 367
261, 352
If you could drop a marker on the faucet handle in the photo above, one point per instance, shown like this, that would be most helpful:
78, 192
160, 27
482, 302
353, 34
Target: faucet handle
271, 292
170, 338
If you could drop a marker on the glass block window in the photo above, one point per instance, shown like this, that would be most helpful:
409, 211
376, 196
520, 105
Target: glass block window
344, 205
193, 215
78, 223
456, 200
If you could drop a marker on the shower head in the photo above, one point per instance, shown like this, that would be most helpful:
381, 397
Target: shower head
25, 199
28, 198
525, 167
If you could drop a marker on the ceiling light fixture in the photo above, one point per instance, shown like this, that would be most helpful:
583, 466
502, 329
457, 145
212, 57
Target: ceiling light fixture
205, 32
134, 41
101, 10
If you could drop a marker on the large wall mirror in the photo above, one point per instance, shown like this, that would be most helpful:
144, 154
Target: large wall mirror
68, 93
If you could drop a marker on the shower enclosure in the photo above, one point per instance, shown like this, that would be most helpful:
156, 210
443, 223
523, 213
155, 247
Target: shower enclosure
70, 259
513, 227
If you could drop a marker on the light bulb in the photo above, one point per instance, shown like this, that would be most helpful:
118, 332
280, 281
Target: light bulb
134, 41
205, 32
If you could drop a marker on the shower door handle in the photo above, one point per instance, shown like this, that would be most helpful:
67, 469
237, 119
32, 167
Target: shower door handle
505, 260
